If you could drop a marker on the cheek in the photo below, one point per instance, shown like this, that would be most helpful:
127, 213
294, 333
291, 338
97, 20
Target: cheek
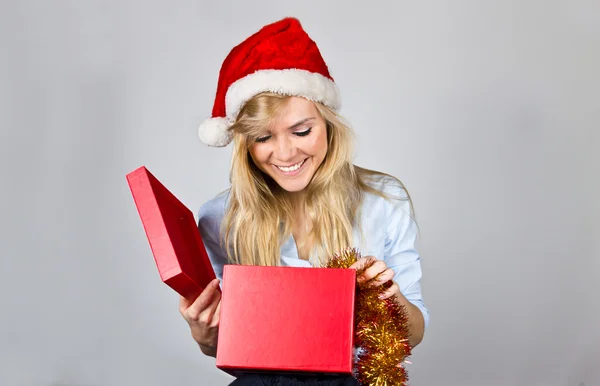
319, 144
259, 155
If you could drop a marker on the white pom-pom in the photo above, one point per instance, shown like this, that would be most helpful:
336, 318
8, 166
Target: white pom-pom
214, 132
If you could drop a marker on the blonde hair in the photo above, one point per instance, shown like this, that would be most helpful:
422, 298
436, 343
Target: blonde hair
259, 216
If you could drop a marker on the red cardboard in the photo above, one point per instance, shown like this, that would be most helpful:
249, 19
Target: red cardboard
173, 234
286, 319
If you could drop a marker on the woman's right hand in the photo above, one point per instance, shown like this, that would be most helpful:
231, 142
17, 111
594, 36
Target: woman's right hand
203, 317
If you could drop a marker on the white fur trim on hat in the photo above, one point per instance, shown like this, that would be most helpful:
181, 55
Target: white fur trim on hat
214, 132
310, 85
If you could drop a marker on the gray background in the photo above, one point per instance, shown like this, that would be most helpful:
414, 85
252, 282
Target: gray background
487, 110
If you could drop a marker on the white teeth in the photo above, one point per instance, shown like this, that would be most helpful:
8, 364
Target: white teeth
291, 168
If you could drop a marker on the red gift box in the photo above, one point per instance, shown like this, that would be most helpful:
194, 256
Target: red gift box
286, 319
174, 238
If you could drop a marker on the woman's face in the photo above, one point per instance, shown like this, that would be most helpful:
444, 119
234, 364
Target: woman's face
293, 147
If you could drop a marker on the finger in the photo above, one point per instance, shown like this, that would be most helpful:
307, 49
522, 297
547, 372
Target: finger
206, 316
204, 299
383, 277
183, 304
203, 312
392, 291
198, 316
216, 316
378, 267
363, 262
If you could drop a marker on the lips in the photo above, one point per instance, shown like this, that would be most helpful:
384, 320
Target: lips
291, 168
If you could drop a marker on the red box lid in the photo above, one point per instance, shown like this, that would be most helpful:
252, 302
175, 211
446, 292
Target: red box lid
286, 319
174, 238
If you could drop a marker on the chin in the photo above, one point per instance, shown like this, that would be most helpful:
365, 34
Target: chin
292, 187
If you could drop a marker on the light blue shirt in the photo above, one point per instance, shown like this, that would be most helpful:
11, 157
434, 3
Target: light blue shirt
388, 233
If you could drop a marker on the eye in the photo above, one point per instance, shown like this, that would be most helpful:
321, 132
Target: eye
263, 139
303, 133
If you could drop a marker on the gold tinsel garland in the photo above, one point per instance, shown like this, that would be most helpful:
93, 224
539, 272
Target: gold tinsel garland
381, 329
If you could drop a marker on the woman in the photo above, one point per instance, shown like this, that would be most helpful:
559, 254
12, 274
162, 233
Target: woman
295, 196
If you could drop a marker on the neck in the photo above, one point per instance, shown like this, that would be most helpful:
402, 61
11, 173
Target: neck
297, 199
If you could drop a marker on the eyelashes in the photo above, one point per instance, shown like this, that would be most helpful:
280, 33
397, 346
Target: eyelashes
304, 133
299, 134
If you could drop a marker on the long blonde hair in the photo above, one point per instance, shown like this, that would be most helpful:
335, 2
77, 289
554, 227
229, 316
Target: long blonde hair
259, 216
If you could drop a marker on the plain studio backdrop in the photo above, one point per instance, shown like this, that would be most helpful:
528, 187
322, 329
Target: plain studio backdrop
488, 111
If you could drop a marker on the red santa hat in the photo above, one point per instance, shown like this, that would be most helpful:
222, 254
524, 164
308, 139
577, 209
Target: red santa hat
280, 58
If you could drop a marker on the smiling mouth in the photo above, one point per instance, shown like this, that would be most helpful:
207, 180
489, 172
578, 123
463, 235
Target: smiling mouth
291, 168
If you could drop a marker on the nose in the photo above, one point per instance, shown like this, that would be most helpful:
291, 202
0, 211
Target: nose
285, 149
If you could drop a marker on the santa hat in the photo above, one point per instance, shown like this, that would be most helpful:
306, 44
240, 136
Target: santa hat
280, 58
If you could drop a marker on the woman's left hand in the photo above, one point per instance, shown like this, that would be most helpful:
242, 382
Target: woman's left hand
377, 274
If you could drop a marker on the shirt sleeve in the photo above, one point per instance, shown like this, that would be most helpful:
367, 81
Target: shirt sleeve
210, 216
400, 251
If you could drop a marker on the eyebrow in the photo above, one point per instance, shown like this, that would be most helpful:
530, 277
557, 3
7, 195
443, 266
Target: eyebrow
299, 123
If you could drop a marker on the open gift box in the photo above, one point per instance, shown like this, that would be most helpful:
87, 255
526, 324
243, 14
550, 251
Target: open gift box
272, 319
